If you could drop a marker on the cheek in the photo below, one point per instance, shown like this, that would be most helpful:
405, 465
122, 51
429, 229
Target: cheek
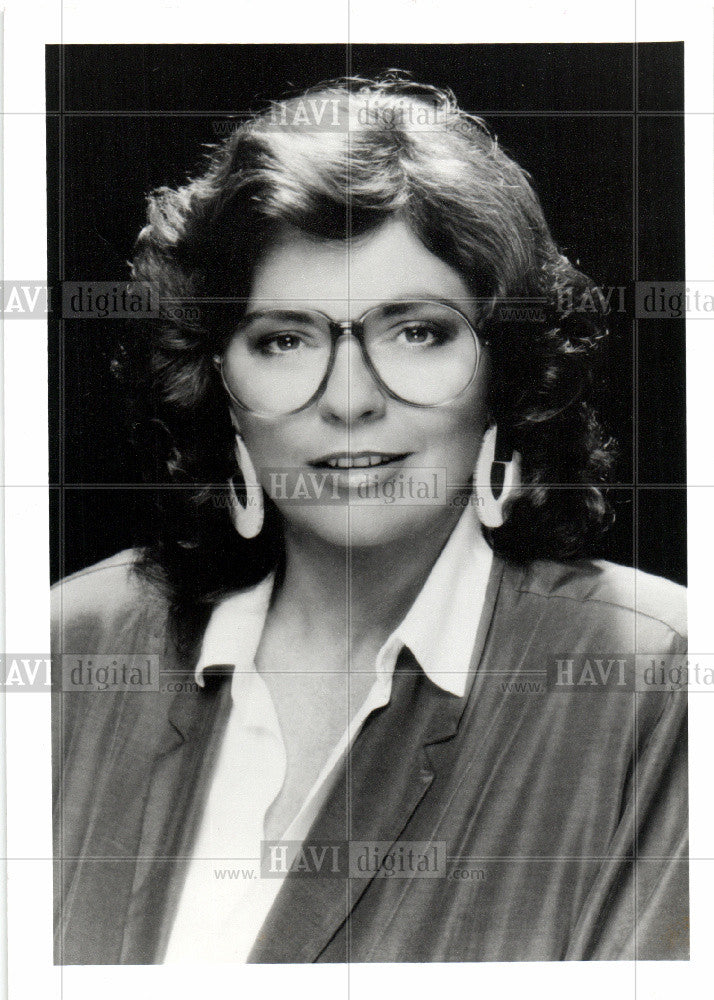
268, 444
458, 433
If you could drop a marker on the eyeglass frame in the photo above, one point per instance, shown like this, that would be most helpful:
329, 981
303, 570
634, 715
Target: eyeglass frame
345, 328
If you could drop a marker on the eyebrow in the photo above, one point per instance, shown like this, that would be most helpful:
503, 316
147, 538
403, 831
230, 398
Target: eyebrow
426, 296
394, 307
289, 315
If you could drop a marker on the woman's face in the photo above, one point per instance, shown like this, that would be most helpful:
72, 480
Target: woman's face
419, 449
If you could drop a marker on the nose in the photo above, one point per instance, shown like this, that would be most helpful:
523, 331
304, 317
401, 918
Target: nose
352, 394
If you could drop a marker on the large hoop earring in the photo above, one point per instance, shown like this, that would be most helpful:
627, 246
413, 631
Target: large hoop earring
247, 520
490, 508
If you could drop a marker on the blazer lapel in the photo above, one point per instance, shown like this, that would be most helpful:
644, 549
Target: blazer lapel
384, 777
382, 780
181, 773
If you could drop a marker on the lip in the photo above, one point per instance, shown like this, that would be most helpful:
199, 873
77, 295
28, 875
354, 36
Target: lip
344, 461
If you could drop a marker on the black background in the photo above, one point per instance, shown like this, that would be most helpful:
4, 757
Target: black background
599, 127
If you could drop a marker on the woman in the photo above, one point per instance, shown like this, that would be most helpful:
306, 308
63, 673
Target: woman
398, 718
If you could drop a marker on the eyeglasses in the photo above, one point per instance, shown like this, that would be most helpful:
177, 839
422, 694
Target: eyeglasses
279, 361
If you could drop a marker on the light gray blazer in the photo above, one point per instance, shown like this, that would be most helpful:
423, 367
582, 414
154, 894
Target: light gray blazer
567, 801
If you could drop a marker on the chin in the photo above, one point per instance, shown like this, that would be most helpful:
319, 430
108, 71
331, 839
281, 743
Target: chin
365, 525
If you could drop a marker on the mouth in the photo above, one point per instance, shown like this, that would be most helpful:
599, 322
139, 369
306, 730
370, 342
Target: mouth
358, 460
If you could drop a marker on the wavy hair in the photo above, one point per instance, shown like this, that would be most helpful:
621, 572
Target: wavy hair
336, 162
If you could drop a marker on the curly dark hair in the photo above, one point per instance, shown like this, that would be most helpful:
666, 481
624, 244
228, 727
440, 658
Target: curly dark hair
380, 148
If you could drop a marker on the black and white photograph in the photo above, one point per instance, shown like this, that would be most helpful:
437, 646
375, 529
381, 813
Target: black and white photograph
366, 680
373, 546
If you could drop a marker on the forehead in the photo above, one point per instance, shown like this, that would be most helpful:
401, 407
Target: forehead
388, 263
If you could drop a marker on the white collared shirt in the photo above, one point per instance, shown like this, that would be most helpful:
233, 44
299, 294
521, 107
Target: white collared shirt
224, 901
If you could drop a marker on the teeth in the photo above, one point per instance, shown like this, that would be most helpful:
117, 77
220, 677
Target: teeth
361, 462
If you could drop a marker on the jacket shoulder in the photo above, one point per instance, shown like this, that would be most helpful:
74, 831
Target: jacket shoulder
597, 582
102, 602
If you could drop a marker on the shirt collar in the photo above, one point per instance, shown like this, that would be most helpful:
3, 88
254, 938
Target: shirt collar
439, 628
234, 629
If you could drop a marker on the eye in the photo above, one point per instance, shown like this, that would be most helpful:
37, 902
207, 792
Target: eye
422, 334
279, 343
